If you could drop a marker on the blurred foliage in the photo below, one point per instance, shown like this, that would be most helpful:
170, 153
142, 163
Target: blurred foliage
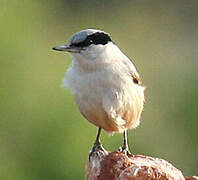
43, 135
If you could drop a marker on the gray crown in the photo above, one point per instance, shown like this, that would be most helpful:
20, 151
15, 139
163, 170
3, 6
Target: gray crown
82, 35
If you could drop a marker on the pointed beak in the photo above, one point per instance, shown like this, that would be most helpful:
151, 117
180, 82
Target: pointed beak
66, 47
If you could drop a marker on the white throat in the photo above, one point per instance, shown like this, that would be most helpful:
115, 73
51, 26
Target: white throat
97, 57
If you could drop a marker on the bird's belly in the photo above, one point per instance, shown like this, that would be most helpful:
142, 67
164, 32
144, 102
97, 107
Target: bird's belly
92, 90
93, 111
91, 106
87, 90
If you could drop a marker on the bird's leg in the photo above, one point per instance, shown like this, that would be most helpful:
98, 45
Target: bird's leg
97, 145
97, 141
125, 147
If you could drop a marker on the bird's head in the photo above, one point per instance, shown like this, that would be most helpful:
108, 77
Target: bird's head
87, 44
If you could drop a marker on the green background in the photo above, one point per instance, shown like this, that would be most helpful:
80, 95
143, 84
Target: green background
42, 134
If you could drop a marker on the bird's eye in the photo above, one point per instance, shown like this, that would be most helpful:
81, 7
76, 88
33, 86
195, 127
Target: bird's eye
84, 43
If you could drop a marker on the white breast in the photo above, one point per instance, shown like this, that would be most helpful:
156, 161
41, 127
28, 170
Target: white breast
107, 97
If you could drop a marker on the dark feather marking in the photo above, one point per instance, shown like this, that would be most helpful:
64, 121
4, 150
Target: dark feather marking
96, 38
136, 79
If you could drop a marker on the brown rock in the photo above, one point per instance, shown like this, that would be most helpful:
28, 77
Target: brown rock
192, 178
105, 165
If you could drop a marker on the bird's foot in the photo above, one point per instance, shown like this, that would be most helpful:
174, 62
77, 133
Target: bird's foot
97, 150
125, 151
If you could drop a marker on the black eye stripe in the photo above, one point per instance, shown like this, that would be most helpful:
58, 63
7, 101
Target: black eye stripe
84, 43
96, 38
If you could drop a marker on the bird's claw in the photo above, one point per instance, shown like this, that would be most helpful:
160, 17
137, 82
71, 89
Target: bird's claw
97, 150
125, 151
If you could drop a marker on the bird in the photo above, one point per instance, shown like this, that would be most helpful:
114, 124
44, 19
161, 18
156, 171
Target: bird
105, 83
